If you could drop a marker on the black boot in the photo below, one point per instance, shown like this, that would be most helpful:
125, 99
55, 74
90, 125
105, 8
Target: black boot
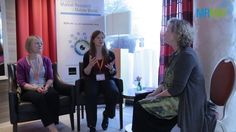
105, 121
92, 129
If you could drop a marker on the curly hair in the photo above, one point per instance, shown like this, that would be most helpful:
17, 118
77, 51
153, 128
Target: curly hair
183, 31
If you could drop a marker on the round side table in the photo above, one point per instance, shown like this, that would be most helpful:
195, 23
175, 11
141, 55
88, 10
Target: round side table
128, 128
130, 94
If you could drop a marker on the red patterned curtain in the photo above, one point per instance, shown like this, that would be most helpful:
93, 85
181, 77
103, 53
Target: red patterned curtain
36, 17
182, 9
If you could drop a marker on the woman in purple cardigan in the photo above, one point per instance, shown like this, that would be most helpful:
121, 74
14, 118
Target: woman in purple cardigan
35, 77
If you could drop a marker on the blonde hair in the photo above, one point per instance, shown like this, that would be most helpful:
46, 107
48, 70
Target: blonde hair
29, 41
183, 31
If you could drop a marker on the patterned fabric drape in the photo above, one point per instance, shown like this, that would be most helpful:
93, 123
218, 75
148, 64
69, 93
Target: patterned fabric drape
182, 9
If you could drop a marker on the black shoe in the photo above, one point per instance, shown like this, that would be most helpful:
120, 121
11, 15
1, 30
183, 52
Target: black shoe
92, 129
56, 121
105, 121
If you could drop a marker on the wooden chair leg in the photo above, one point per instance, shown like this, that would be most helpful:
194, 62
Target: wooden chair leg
121, 115
72, 121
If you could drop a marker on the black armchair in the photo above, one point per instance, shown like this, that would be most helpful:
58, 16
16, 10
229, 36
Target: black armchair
21, 111
80, 98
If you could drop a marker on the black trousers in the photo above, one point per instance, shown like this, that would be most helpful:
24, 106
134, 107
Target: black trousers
146, 122
92, 90
47, 104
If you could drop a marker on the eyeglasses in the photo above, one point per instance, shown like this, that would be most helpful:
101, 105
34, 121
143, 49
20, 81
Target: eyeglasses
39, 43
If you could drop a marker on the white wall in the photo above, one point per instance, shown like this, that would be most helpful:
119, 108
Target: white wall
9, 32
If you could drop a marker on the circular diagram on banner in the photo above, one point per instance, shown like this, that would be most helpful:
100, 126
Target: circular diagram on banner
81, 47
78, 42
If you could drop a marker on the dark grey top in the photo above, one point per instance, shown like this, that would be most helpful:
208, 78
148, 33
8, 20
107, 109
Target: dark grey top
189, 86
95, 70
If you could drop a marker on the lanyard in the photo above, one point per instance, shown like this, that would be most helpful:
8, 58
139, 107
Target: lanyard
100, 66
36, 68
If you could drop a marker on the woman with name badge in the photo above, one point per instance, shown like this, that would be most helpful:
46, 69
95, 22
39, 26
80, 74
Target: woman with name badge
35, 77
99, 69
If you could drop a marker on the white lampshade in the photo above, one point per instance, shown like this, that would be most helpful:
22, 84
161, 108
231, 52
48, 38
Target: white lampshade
118, 23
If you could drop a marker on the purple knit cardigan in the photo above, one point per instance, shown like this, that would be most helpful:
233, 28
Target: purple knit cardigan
23, 69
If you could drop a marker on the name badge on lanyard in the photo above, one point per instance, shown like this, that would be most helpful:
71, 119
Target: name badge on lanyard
101, 76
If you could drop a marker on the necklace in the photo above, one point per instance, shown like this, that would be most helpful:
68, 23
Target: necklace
100, 65
36, 65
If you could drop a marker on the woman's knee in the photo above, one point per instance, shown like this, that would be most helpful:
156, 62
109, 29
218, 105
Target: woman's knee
52, 94
91, 91
38, 98
111, 89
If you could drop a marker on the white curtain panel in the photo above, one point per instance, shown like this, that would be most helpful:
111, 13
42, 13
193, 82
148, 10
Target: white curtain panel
146, 66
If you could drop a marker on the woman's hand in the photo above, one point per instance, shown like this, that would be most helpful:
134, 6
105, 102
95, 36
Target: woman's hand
92, 61
39, 90
157, 91
150, 95
110, 66
45, 89
47, 86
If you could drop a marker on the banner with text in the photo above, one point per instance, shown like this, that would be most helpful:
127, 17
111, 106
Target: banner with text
75, 22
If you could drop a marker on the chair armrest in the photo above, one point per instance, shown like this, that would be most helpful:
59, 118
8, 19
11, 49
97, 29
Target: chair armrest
12, 93
79, 85
13, 106
79, 89
64, 88
61, 86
